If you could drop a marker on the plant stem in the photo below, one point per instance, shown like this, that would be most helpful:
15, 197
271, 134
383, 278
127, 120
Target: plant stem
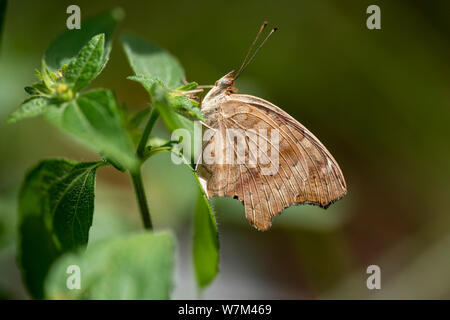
148, 129
141, 198
136, 175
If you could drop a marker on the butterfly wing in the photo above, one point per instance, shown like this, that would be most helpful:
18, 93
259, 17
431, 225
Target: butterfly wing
305, 171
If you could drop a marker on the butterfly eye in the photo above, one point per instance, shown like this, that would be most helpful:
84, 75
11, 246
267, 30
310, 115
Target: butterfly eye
221, 83
224, 82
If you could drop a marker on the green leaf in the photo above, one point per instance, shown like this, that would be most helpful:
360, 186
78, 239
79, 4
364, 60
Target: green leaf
162, 102
133, 122
29, 109
171, 119
169, 100
185, 106
56, 204
82, 70
152, 62
72, 203
138, 266
31, 90
188, 86
68, 44
146, 82
135, 119
94, 119
205, 241
157, 70
46, 75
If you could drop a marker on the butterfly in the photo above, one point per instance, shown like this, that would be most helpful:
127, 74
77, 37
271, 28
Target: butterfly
306, 173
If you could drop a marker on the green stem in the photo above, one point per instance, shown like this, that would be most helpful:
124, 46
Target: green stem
148, 129
141, 198
136, 175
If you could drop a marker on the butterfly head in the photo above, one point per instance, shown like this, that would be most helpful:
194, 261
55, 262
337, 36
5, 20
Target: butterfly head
226, 81
223, 87
226, 84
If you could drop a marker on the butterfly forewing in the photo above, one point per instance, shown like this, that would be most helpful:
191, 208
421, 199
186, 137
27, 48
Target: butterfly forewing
305, 172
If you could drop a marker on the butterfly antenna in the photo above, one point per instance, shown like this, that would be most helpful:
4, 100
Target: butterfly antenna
251, 47
247, 62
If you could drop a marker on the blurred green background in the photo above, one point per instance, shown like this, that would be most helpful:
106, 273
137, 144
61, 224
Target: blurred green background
379, 100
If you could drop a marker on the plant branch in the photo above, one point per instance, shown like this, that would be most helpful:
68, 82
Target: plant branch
156, 150
141, 198
136, 175
146, 134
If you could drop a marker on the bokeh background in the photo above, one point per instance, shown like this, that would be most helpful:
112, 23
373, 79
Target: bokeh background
379, 100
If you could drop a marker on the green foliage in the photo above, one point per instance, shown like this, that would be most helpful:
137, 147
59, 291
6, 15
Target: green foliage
72, 205
50, 90
30, 108
172, 120
68, 44
52, 86
168, 95
56, 204
56, 201
136, 266
87, 65
161, 74
70, 64
188, 86
177, 111
188, 108
150, 61
205, 241
94, 119
133, 121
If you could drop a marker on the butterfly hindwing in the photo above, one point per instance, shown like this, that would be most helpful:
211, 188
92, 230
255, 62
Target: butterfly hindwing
305, 172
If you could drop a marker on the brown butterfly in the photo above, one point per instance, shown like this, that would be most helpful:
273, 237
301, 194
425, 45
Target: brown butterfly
306, 173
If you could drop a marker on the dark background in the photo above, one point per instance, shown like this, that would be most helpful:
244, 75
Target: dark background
378, 99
